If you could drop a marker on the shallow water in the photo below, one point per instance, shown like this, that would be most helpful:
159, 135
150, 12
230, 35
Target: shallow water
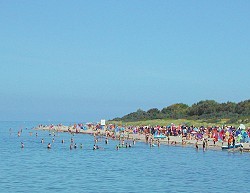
138, 169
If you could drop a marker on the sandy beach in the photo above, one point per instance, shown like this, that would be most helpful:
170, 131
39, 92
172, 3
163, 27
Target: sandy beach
141, 137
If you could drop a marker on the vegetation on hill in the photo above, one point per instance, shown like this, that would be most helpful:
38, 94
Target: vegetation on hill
207, 111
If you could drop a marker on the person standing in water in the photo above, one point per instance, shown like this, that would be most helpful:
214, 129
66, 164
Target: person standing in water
196, 145
204, 145
22, 145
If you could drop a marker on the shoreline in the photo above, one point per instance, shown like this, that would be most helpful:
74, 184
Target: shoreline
177, 141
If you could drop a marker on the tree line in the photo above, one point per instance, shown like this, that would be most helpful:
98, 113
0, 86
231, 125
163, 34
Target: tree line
205, 110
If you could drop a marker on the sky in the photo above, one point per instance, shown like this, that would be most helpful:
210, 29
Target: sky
90, 60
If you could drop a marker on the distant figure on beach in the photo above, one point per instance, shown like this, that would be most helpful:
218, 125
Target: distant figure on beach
49, 146
233, 142
22, 145
196, 145
133, 141
168, 139
204, 145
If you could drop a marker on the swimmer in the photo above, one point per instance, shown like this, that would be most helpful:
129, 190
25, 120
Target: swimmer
106, 140
81, 146
53, 140
49, 146
94, 147
62, 140
22, 145
75, 146
71, 146
117, 147
42, 141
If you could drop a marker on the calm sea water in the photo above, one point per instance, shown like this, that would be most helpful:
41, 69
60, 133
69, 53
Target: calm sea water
139, 169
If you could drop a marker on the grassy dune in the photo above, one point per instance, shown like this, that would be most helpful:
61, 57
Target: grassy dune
165, 122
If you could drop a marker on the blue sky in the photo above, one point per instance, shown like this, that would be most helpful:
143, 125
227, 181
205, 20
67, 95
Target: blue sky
87, 60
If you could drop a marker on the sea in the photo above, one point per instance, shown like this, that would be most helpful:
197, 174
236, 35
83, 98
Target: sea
35, 168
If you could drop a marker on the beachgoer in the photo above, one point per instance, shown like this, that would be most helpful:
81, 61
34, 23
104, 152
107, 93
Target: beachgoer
94, 147
42, 141
81, 146
233, 142
204, 145
196, 145
71, 146
75, 146
62, 140
49, 146
22, 145
158, 143
106, 140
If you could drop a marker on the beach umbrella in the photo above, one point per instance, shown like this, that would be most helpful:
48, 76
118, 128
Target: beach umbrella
237, 132
243, 127
196, 129
193, 132
199, 135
